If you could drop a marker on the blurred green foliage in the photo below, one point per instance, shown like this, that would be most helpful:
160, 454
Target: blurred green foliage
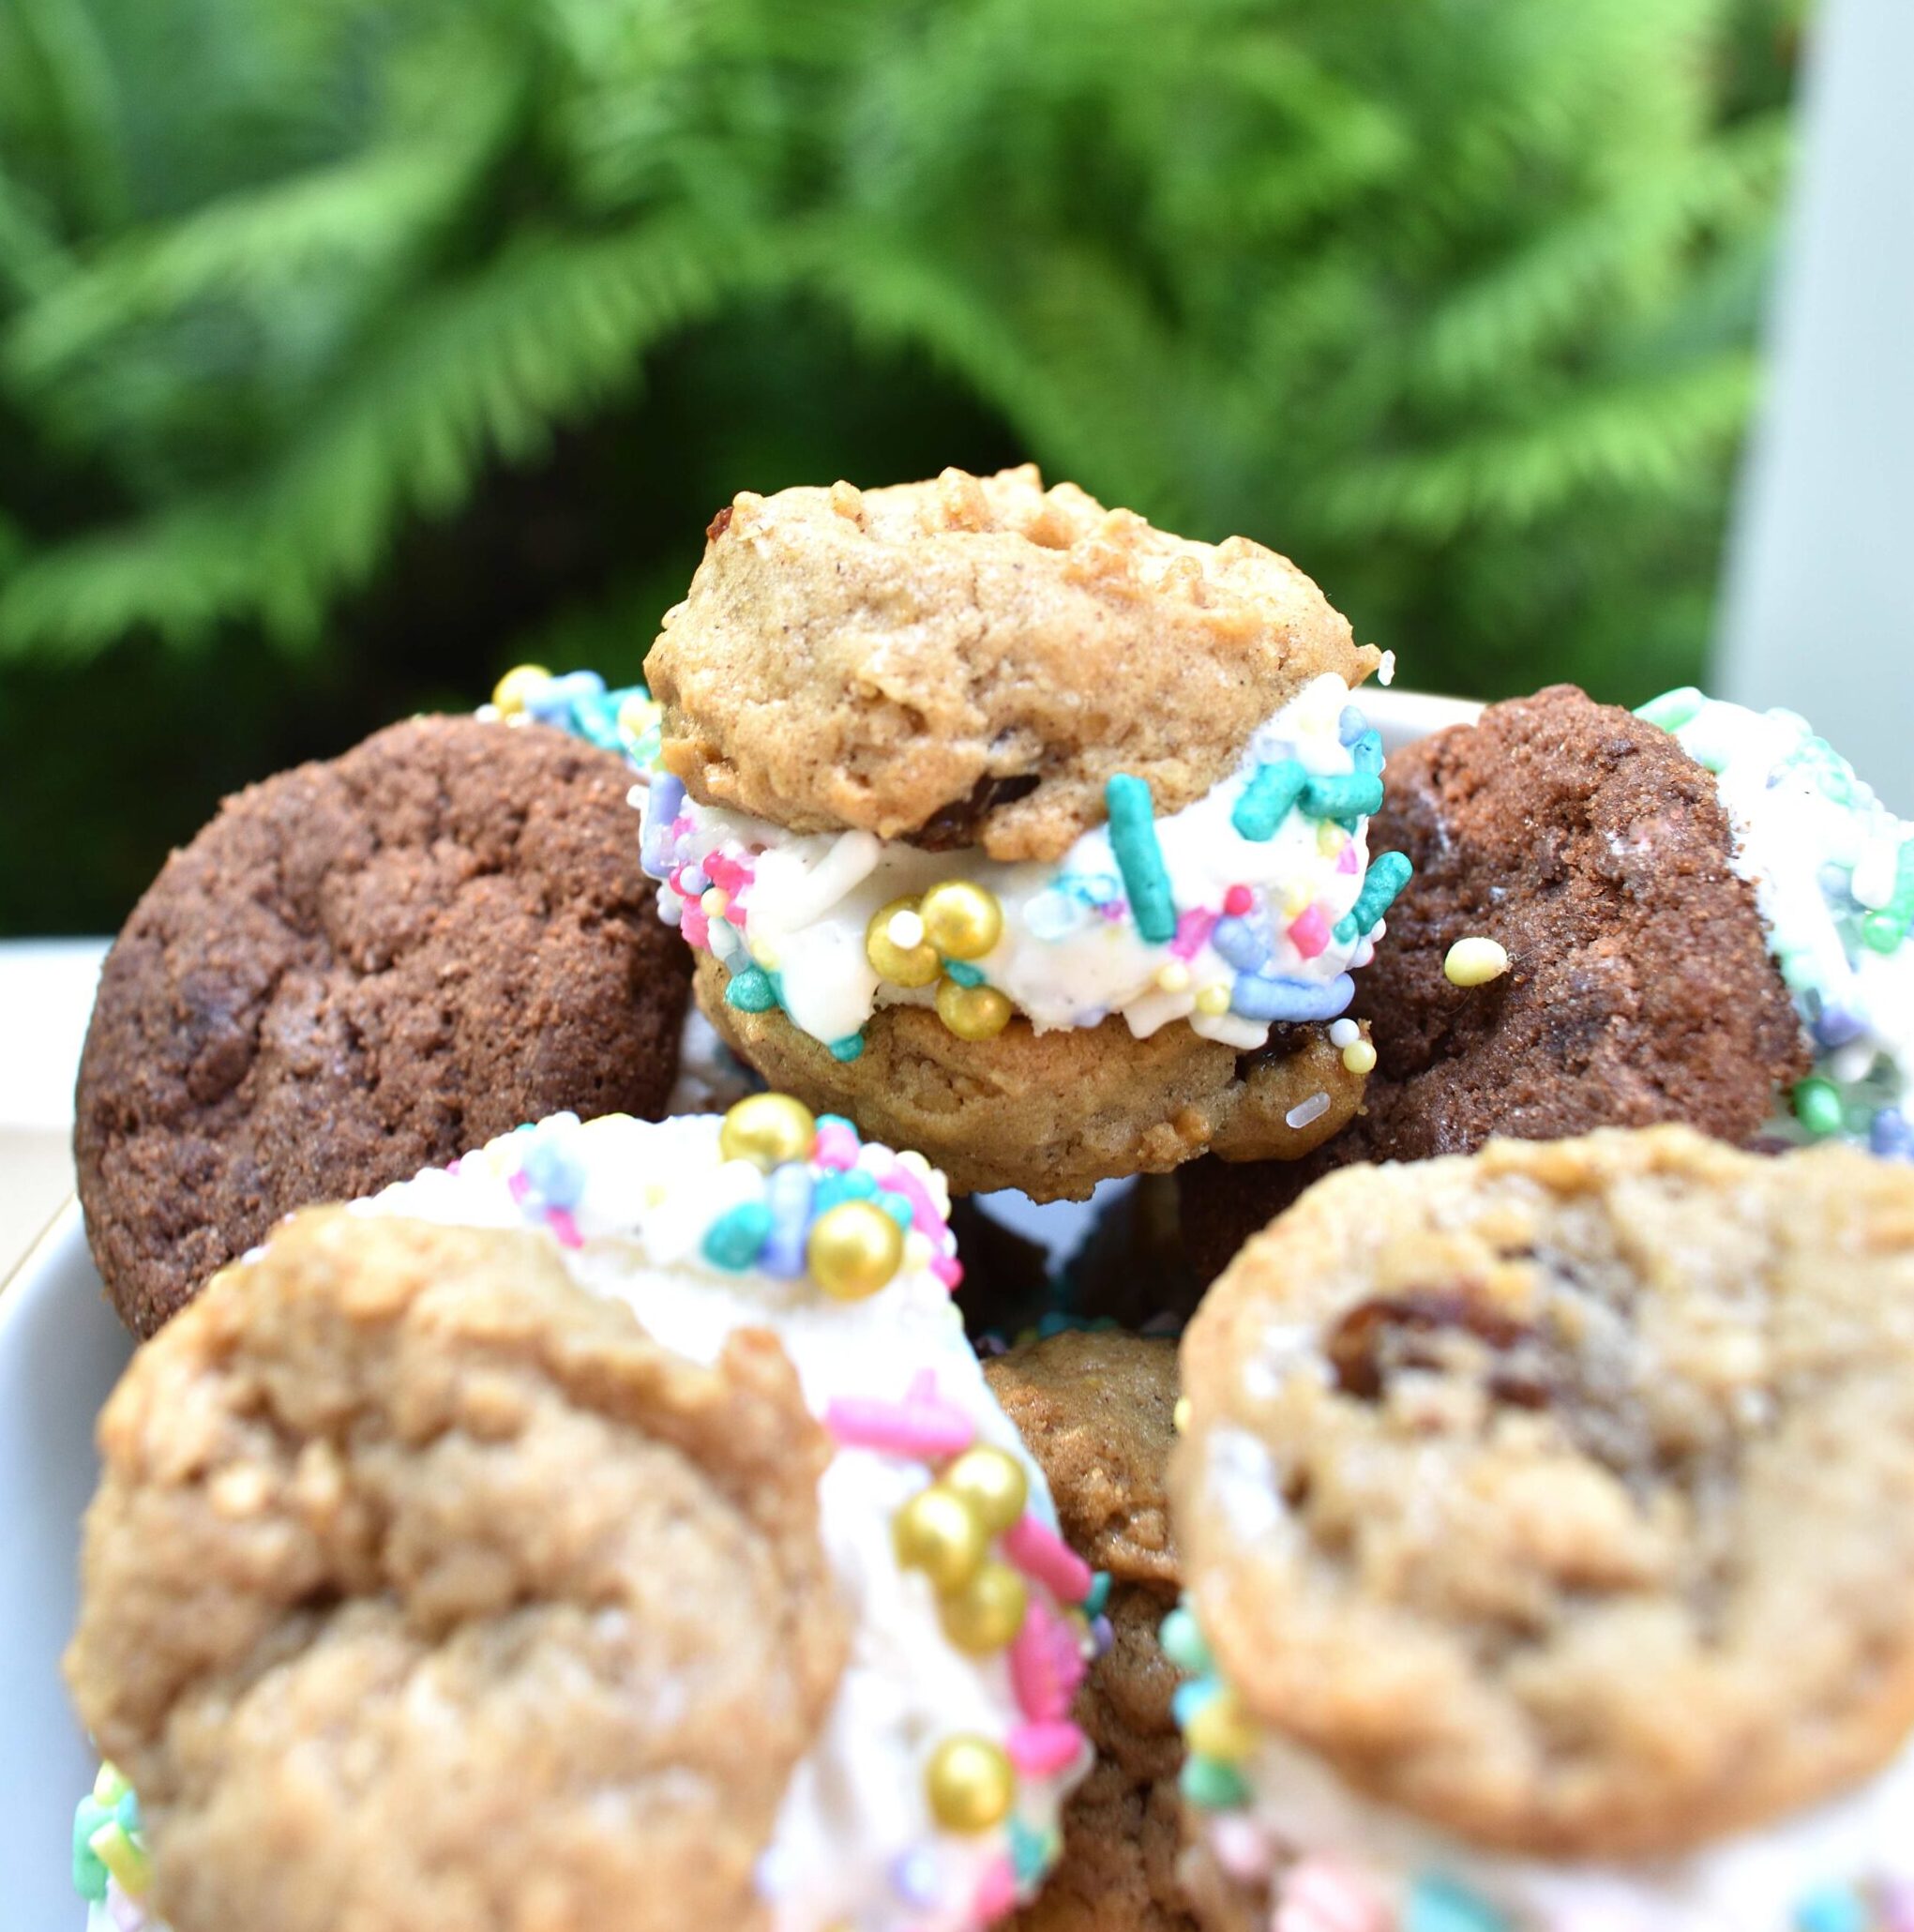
350, 350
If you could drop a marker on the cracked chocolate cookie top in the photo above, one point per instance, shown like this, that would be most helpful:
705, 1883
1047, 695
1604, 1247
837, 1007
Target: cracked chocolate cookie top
362, 968
1563, 1496
969, 661
423, 1589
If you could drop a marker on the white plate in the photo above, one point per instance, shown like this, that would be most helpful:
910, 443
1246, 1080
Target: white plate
61, 1350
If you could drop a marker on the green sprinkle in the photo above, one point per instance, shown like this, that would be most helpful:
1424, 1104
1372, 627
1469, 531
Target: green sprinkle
1672, 709
1817, 1107
90, 1869
849, 1048
735, 1239
1212, 1784
1881, 932
1388, 872
1139, 858
1182, 1641
1268, 799
751, 991
963, 973
1353, 795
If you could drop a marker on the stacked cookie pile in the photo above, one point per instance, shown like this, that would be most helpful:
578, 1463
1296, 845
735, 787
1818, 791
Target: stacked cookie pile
589, 1506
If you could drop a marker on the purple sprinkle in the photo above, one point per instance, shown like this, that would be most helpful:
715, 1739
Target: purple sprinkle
787, 1195
913, 1877
1240, 944
1254, 997
1350, 725
1835, 1026
1890, 1135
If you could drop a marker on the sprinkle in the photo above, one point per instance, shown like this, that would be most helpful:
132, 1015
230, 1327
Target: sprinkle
1219, 1729
713, 902
948, 1270
1440, 1905
836, 1145
1320, 1896
788, 1198
563, 1228
1173, 978
1266, 998
1366, 752
913, 1876
1042, 1555
1192, 930
1832, 1909
1042, 1750
1139, 858
1388, 872
1309, 932
732, 875
1244, 1854
1475, 961
1097, 1596
1359, 1057
695, 927
1240, 944
1213, 999
732, 1242
996, 1893
1354, 795
923, 1425
849, 1048
1046, 1667
750, 991
1210, 1785
963, 973
1268, 799
1672, 709
1179, 1416
1350, 724
1817, 1107
1344, 1032
1238, 900
121, 1856
1183, 1641
853, 1184
1305, 1112
1033, 1853
906, 931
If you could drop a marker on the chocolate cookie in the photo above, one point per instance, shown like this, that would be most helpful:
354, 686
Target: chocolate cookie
1559, 1500
1596, 851
969, 661
358, 968
374, 1654
1095, 1411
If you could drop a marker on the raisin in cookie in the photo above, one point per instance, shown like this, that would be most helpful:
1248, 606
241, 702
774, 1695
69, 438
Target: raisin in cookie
359, 968
1555, 1505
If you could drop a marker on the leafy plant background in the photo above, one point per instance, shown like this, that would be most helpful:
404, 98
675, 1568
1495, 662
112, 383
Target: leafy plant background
353, 350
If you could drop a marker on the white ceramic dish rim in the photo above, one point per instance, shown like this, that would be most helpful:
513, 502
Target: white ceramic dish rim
61, 1350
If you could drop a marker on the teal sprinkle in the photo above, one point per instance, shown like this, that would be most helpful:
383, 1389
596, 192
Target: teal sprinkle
1367, 753
1188, 1698
963, 971
896, 1206
128, 1812
1355, 794
89, 1871
837, 1120
751, 991
849, 1048
1268, 799
1672, 709
1388, 872
852, 1183
737, 1238
1440, 1905
1182, 1641
1210, 1785
1139, 858
1832, 1909
1031, 1852
1097, 1595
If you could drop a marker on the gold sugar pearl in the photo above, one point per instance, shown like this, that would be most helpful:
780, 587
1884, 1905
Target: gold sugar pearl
938, 1532
853, 1249
992, 1482
973, 1012
767, 1130
970, 1784
987, 1612
910, 966
510, 692
962, 920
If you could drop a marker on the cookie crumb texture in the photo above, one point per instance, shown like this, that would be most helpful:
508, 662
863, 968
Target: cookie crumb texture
1051, 1113
969, 661
1095, 1411
360, 969
1587, 843
423, 1590
1565, 1497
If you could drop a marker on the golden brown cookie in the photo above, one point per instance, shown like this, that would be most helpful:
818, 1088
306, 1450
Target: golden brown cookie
1095, 1409
1563, 1497
1051, 1113
422, 1589
969, 661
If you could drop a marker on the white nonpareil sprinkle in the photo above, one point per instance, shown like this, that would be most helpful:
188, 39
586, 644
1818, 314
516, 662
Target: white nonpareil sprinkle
1306, 1111
1344, 1032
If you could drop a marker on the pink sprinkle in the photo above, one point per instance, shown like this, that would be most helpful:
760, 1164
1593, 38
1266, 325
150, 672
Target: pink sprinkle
922, 1426
1042, 1750
924, 1216
1041, 1554
836, 1146
996, 1894
560, 1223
1113, 908
452, 1166
1323, 1897
1238, 900
517, 1185
1192, 928
1241, 1849
1045, 1666
696, 927
680, 825
1898, 1907
728, 875
1345, 860
1309, 931
948, 1270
